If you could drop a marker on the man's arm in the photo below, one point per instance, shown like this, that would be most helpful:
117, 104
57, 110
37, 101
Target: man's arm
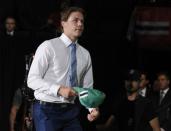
88, 75
167, 124
13, 114
38, 69
155, 124
88, 83
16, 104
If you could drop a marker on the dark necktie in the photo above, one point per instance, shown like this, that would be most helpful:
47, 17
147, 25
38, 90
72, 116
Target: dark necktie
161, 96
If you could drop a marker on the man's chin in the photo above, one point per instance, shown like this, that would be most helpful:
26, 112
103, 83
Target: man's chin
78, 34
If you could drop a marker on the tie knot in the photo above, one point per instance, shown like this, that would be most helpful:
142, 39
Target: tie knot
161, 96
72, 48
141, 93
162, 93
72, 45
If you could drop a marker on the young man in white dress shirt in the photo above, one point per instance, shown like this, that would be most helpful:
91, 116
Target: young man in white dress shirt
49, 77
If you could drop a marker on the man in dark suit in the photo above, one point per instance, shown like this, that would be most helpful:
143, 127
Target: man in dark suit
163, 101
143, 115
12, 66
10, 26
145, 89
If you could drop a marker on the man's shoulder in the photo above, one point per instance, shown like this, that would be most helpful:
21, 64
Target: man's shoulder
169, 91
51, 42
83, 49
54, 40
144, 100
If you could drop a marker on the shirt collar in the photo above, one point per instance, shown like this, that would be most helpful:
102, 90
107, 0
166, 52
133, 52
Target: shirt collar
143, 92
10, 33
165, 91
66, 40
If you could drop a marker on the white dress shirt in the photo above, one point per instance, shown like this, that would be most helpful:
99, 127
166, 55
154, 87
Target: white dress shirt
164, 91
10, 33
50, 69
143, 92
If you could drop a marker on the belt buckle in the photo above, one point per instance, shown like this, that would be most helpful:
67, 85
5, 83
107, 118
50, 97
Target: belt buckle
63, 105
42, 103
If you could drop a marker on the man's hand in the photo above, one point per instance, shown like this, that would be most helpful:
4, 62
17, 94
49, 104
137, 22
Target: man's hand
28, 122
162, 129
94, 114
66, 92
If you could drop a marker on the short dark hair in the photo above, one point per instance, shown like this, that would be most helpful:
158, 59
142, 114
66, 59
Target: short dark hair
133, 75
67, 11
166, 74
10, 17
143, 72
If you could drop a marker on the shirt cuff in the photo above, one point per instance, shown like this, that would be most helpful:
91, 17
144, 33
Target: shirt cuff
90, 109
54, 89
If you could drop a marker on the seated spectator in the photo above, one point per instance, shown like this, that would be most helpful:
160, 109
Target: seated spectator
139, 111
134, 112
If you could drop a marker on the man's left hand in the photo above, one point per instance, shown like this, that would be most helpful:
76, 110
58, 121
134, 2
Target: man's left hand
94, 114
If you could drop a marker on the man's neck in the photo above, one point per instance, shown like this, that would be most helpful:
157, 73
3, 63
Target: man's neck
72, 38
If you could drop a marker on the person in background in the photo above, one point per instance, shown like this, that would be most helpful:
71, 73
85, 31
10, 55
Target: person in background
145, 88
137, 113
16, 104
20, 118
143, 114
20, 114
51, 28
10, 26
163, 101
12, 67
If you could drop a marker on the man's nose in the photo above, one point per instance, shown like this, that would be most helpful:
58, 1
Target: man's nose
80, 23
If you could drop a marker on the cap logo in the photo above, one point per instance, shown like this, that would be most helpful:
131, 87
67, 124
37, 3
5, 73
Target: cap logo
83, 94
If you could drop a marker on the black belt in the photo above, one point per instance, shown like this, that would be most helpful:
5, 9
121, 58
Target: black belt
62, 105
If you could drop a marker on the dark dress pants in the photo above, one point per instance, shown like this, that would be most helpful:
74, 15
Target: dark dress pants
56, 117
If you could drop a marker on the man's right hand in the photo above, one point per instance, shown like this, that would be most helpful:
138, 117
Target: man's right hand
66, 92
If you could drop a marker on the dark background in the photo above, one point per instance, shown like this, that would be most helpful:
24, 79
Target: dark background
105, 32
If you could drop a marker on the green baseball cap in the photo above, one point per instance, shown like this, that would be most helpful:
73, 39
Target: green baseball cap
89, 97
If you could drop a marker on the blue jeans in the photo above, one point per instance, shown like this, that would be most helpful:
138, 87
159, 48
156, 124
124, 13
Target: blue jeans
56, 117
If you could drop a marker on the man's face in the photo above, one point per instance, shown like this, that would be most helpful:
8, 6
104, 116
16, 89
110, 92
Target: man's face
143, 81
10, 24
163, 82
134, 86
74, 26
131, 86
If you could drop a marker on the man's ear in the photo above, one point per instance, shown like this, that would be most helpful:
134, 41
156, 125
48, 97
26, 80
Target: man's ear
62, 23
